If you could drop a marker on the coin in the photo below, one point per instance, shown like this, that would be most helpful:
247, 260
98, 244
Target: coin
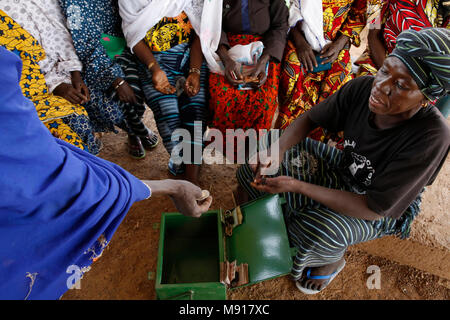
205, 194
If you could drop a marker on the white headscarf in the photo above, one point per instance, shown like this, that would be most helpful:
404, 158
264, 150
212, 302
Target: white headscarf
205, 16
311, 13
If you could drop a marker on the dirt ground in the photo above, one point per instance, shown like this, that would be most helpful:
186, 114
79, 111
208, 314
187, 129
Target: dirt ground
127, 267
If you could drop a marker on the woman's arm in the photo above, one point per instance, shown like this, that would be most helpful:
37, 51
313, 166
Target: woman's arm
304, 51
145, 55
345, 202
192, 84
296, 132
159, 77
232, 68
377, 49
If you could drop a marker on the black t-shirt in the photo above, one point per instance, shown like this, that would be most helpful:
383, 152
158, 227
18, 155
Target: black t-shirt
391, 166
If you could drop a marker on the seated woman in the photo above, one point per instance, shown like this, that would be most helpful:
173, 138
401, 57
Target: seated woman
162, 37
114, 82
247, 24
393, 18
301, 85
51, 77
60, 205
395, 145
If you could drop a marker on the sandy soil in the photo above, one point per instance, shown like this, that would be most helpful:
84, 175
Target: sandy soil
127, 267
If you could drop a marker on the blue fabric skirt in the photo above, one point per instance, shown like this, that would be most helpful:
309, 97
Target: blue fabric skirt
178, 111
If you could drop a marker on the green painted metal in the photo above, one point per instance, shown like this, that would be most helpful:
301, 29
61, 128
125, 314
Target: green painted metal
261, 241
191, 250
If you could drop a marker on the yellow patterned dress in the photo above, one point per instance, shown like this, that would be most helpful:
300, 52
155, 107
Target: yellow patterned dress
66, 121
169, 32
301, 90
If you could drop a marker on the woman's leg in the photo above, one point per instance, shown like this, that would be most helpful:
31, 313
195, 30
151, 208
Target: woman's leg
134, 112
193, 116
165, 108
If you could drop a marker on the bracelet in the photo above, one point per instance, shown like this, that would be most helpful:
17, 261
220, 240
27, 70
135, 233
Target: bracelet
150, 65
120, 83
195, 70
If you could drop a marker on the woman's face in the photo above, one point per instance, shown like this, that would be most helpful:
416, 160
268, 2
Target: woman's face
394, 91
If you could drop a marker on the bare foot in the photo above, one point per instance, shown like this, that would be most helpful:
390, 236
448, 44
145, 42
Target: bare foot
319, 284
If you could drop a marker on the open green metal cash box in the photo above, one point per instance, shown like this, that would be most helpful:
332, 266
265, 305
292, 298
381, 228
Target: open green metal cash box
201, 258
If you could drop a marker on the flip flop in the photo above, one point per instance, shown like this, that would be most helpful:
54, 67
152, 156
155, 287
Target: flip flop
330, 278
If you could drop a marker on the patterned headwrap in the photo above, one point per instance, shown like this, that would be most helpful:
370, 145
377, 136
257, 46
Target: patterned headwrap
426, 53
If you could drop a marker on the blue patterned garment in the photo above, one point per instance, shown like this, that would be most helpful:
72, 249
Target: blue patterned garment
87, 20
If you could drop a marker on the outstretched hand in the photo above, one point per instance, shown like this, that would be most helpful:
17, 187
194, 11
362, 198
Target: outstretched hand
185, 199
186, 196
274, 185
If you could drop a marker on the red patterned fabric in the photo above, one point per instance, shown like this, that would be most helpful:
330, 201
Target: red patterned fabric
232, 108
301, 90
404, 15
397, 16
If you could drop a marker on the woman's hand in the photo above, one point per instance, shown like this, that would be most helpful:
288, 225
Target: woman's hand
186, 199
266, 162
233, 72
160, 81
330, 51
307, 56
260, 70
68, 92
80, 86
124, 91
185, 195
275, 185
305, 53
192, 84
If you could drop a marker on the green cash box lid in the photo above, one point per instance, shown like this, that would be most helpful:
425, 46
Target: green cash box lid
191, 250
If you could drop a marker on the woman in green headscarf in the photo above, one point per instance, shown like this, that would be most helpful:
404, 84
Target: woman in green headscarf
395, 144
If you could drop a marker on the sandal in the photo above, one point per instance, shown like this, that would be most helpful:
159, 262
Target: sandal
135, 148
150, 141
329, 278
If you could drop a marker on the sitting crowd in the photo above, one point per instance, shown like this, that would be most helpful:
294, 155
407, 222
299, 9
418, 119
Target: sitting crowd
361, 138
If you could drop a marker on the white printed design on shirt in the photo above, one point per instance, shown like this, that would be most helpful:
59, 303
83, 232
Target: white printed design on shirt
358, 165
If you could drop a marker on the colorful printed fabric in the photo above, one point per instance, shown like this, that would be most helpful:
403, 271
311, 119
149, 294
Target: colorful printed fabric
301, 90
232, 108
397, 16
87, 22
67, 121
169, 32
44, 21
